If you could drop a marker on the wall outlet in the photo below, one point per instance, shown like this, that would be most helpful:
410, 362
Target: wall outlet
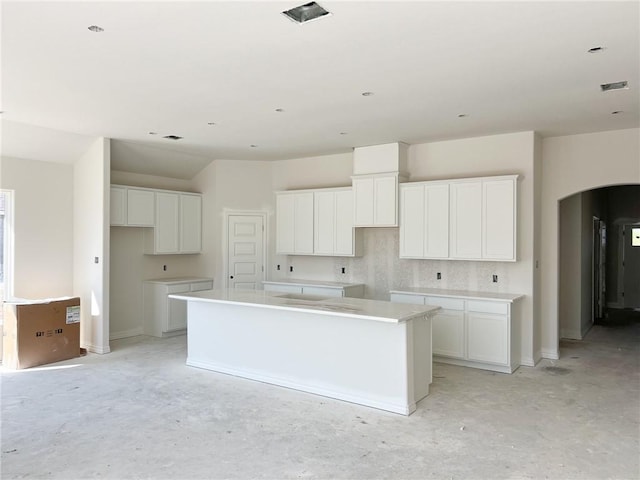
96, 259
278, 267
344, 270
439, 276
164, 268
291, 268
495, 279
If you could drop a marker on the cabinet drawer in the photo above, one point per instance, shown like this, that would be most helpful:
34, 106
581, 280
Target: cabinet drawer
179, 288
406, 298
282, 288
204, 285
447, 303
323, 291
488, 307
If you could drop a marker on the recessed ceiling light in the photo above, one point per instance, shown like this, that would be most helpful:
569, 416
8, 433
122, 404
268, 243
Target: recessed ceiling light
463, 115
305, 13
616, 112
153, 133
172, 137
211, 123
367, 94
343, 133
608, 87
279, 110
253, 146
595, 50
96, 29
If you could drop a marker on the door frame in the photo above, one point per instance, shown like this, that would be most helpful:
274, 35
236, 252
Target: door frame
8, 243
226, 213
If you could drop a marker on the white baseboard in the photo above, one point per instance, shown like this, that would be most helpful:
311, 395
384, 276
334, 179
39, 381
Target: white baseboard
614, 305
550, 354
570, 334
134, 332
101, 349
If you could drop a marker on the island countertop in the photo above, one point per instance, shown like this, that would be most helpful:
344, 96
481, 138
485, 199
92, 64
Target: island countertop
467, 294
335, 306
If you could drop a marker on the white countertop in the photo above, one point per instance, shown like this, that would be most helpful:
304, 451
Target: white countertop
311, 283
343, 307
440, 292
177, 280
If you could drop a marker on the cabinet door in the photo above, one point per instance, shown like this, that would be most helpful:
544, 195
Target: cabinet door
363, 193
385, 199
118, 206
436, 228
140, 208
167, 223
303, 223
407, 298
322, 291
448, 333
285, 208
412, 218
269, 287
344, 234
465, 238
324, 215
190, 223
177, 315
488, 338
498, 215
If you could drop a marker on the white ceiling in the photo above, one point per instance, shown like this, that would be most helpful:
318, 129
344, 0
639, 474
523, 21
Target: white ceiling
172, 67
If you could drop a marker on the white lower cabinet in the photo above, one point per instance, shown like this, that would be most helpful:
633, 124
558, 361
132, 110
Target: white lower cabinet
327, 289
164, 316
471, 332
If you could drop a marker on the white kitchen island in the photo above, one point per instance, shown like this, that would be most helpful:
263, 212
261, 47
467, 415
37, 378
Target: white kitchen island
368, 352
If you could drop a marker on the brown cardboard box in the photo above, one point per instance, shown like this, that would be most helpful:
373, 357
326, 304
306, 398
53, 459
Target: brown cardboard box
37, 332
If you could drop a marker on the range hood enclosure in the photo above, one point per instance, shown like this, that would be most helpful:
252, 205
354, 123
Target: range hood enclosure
385, 158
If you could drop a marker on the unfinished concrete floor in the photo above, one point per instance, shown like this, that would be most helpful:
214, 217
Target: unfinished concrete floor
139, 412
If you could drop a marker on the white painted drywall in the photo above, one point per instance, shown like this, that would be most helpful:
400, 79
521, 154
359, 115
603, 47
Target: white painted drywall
91, 240
43, 216
573, 164
570, 266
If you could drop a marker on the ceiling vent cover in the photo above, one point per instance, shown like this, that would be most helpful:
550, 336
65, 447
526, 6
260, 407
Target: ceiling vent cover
305, 13
172, 137
607, 87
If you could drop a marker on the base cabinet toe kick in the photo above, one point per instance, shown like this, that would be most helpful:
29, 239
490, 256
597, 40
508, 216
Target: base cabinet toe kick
339, 348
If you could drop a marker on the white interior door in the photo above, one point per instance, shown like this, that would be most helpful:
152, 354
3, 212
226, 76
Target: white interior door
245, 256
631, 266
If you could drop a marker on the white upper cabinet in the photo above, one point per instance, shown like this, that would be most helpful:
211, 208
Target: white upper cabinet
316, 222
376, 200
294, 223
424, 222
132, 207
140, 207
464, 219
499, 219
190, 223
465, 235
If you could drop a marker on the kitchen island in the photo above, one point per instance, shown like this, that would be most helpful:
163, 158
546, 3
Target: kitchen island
368, 352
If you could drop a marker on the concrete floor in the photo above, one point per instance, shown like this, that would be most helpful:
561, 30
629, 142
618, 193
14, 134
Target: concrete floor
139, 412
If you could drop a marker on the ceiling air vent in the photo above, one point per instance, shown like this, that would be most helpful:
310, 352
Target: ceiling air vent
172, 137
305, 13
608, 87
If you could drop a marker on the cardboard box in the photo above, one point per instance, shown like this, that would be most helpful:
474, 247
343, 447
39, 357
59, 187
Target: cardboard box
37, 332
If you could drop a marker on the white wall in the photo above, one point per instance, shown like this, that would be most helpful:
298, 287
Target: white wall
91, 240
570, 266
573, 164
43, 216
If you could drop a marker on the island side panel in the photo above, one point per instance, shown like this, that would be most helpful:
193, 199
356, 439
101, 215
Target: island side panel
357, 360
421, 357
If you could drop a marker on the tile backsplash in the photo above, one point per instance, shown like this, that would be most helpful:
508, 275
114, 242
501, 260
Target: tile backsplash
381, 270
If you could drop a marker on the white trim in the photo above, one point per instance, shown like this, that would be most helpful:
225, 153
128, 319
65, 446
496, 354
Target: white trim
570, 334
133, 332
549, 354
226, 213
98, 349
8, 245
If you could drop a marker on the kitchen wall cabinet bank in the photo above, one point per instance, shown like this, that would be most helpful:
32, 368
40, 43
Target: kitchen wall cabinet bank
164, 316
472, 329
174, 218
311, 287
316, 222
462, 219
